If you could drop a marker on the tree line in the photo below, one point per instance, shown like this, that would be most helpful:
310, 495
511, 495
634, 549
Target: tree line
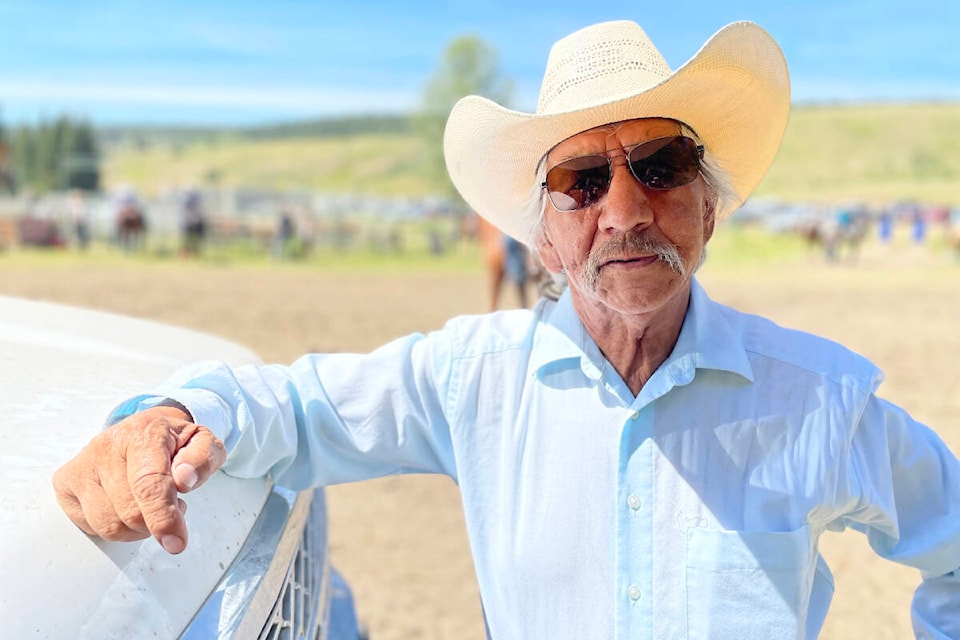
56, 154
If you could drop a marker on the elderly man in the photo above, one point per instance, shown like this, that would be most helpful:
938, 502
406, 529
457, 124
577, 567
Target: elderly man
635, 460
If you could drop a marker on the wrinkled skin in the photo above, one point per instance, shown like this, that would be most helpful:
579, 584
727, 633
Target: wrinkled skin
631, 302
124, 484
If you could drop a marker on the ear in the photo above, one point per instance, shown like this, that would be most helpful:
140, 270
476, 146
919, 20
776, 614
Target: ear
709, 218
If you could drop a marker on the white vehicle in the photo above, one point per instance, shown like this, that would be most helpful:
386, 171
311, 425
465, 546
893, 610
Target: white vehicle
257, 564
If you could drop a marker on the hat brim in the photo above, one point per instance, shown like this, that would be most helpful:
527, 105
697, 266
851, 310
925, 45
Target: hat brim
734, 93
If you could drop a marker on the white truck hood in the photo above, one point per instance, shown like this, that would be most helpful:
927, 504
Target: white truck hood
62, 370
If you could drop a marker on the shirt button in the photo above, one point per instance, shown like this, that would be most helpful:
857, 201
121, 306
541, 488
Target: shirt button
635, 416
634, 502
634, 592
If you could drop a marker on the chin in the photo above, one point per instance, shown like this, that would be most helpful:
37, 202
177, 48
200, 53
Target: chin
643, 298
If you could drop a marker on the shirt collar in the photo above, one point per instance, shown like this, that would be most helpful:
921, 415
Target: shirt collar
562, 341
706, 341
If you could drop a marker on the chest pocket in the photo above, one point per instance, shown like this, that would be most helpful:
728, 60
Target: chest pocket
744, 585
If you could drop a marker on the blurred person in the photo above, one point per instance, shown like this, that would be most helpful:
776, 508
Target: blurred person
285, 233
506, 260
953, 231
829, 232
79, 214
130, 220
516, 266
852, 227
885, 225
635, 460
193, 223
918, 222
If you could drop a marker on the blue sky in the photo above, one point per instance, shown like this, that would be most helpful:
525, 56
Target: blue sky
242, 62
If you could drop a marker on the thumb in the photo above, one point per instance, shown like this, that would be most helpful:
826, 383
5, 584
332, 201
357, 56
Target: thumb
198, 458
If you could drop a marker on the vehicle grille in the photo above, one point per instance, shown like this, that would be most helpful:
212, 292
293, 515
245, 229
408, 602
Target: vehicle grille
303, 596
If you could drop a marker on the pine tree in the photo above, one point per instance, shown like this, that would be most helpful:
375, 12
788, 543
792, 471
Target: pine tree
56, 155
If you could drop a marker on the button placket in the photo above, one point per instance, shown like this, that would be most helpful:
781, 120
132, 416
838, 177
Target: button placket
634, 535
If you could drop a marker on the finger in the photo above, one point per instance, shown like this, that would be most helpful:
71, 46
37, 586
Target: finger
67, 498
117, 493
104, 520
149, 476
156, 496
88, 504
199, 457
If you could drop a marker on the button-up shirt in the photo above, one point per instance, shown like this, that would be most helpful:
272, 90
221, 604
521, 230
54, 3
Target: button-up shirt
691, 510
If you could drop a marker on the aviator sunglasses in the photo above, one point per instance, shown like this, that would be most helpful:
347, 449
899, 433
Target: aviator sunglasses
660, 164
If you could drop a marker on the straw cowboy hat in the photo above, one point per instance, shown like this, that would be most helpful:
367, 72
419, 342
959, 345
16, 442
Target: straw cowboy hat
734, 93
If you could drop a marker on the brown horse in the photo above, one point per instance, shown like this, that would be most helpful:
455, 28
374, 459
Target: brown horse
506, 260
131, 226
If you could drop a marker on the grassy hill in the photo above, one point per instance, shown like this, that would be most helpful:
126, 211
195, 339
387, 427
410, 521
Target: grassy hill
867, 152
375, 163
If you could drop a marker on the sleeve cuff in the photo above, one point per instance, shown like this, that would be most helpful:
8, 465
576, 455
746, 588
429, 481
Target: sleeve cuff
205, 408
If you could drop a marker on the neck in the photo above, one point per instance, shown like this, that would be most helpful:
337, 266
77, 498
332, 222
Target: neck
635, 344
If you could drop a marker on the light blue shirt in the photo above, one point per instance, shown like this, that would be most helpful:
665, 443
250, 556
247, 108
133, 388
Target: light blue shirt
692, 510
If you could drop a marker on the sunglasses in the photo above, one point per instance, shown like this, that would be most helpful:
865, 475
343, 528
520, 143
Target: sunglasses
660, 164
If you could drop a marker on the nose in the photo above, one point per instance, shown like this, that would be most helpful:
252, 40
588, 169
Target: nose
627, 205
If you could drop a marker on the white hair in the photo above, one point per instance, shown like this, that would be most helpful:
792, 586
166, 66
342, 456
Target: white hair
720, 193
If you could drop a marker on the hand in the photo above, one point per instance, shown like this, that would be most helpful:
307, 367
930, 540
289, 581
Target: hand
123, 485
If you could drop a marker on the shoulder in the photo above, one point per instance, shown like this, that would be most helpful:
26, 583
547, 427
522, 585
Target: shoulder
775, 347
499, 331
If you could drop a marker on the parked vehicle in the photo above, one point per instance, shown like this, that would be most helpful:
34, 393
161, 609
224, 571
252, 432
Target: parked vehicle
257, 563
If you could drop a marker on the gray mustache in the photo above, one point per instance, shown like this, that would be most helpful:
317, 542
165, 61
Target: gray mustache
631, 243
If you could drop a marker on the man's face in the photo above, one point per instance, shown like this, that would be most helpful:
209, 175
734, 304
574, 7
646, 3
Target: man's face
635, 248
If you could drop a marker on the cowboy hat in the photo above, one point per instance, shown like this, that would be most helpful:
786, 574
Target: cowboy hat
734, 93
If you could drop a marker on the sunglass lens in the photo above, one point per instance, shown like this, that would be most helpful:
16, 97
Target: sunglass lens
579, 182
665, 163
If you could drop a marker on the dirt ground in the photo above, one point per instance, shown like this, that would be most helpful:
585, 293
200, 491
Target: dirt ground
401, 541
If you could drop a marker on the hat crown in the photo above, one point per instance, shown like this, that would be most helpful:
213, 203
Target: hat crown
734, 92
600, 62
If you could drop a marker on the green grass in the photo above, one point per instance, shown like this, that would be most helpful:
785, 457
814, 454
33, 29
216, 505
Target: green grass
875, 153
374, 164
735, 246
